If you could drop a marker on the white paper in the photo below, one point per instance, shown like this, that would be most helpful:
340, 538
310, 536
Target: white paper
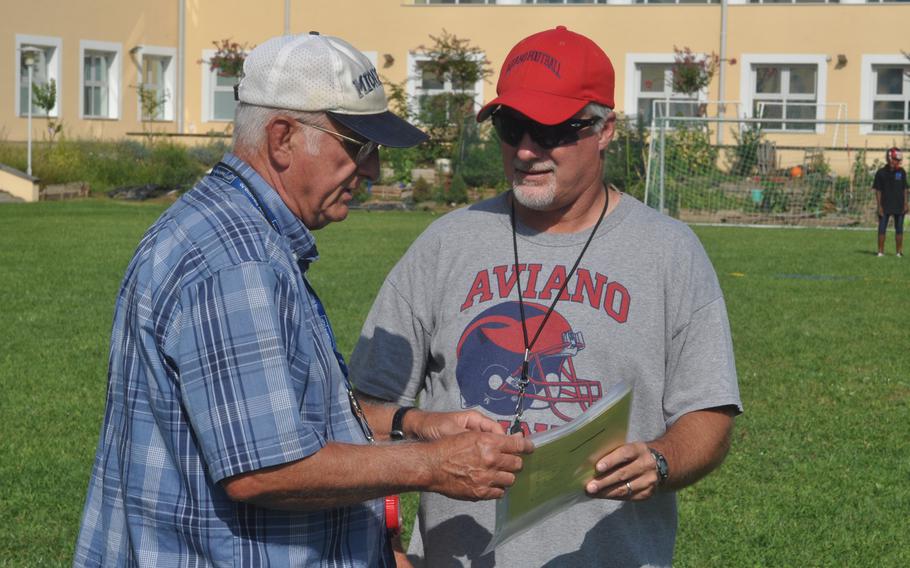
553, 478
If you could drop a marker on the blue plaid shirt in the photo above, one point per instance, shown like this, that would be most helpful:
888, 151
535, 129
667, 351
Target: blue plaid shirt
220, 365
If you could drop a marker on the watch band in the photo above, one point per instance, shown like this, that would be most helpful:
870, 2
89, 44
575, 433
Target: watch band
660, 462
397, 431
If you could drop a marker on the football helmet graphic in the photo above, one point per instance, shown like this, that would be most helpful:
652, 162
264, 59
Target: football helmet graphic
490, 353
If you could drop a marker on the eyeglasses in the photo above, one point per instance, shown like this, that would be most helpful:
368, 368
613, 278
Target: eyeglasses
511, 129
364, 149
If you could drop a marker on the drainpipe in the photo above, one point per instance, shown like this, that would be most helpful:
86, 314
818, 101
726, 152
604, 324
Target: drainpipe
181, 56
721, 71
287, 17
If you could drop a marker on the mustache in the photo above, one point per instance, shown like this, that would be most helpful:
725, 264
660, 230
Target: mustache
533, 167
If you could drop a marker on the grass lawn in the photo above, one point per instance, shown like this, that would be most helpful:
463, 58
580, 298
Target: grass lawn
817, 476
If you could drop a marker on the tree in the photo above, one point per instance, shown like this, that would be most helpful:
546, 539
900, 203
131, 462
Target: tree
151, 104
692, 73
453, 61
44, 96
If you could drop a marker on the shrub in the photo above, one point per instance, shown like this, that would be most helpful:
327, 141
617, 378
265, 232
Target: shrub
402, 161
625, 161
457, 191
421, 190
743, 157
478, 160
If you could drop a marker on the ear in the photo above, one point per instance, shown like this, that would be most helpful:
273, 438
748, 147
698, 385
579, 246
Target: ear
609, 129
279, 131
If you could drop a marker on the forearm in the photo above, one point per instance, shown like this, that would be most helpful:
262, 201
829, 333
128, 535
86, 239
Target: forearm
695, 445
471, 465
335, 476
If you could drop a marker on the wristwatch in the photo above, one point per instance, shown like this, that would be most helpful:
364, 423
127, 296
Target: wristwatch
663, 470
397, 431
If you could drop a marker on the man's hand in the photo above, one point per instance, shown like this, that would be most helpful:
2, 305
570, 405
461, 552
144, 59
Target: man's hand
881, 211
473, 466
628, 473
435, 425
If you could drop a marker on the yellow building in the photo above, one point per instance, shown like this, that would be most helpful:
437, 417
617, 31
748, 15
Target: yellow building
796, 60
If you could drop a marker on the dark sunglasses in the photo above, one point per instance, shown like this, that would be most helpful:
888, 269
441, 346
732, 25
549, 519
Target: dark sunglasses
511, 129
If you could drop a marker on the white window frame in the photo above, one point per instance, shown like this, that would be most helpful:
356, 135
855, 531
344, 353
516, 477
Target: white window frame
747, 82
113, 50
53, 69
208, 89
170, 79
633, 80
414, 79
867, 88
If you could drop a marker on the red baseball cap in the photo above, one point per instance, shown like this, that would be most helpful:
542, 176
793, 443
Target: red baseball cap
895, 154
552, 75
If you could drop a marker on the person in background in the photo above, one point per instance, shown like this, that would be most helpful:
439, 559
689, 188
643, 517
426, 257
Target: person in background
891, 199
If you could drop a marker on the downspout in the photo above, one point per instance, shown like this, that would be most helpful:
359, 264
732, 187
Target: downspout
287, 17
721, 71
181, 56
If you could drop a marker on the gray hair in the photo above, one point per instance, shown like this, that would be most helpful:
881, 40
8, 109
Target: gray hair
600, 111
250, 122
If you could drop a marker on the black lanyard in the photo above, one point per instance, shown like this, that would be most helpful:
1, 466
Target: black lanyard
231, 176
524, 380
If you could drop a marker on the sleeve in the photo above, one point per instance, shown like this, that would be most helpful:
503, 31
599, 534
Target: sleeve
235, 379
390, 359
877, 181
701, 369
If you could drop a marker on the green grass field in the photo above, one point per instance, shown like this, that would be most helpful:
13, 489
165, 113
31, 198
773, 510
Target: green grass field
819, 469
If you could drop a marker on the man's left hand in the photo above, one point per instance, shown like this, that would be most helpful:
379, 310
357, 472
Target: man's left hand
628, 473
436, 425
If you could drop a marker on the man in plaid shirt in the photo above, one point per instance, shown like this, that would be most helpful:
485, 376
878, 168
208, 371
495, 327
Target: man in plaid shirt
230, 435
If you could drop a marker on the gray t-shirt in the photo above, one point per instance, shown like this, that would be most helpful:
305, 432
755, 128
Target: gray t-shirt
644, 306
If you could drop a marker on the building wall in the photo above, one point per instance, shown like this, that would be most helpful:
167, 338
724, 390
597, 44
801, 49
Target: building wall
756, 33
127, 24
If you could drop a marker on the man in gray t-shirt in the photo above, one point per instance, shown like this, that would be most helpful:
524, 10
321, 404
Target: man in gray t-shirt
583, 287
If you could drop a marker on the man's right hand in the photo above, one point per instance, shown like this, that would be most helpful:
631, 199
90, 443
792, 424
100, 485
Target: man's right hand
474, 466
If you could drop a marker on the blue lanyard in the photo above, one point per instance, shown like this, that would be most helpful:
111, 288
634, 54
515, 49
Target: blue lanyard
229, 175
356, 409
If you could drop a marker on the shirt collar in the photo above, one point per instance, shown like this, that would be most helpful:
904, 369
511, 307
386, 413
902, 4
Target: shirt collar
301, 240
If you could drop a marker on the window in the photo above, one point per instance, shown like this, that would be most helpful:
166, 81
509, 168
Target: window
655, 83
794, 1
100, 95
455, 1
45, 55
96, 90
676, 1
891, 96
785, 91
156, 83
218, 92
425, 89
652, 80
884, 92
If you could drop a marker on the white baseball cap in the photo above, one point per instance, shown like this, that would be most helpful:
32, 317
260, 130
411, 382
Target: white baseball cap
317, 73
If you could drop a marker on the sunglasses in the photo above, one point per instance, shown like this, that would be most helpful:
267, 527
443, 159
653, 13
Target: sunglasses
360, 149
511, 129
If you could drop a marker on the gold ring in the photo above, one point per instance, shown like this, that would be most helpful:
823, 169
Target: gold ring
628, 489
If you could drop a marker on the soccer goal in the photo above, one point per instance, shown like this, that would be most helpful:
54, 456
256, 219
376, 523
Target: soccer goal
774, 170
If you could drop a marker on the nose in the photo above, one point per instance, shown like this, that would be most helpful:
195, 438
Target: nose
527, 149
370, 167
